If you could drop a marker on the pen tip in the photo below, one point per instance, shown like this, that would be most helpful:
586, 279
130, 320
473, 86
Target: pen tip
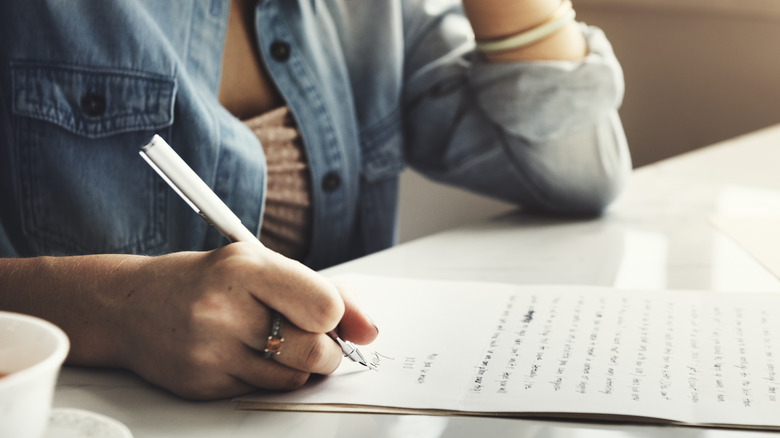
360, 358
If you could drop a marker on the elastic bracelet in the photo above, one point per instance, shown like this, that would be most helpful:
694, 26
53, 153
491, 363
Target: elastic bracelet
562, 15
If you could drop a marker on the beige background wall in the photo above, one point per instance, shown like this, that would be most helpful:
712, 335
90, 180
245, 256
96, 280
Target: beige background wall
697, 72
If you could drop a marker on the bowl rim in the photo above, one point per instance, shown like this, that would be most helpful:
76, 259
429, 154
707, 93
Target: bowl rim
53, 361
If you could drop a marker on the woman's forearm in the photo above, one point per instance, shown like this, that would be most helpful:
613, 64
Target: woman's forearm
494, 19
80, 294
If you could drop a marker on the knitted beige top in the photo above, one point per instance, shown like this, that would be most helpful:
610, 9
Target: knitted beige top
287, 217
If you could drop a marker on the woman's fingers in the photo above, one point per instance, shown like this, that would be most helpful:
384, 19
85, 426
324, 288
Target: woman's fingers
276, 373
294, 348
306, 298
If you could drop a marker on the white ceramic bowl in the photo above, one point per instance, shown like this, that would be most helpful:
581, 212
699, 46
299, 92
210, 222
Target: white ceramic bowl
31, 353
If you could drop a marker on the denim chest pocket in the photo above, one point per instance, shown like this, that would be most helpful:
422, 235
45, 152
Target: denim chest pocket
77, 133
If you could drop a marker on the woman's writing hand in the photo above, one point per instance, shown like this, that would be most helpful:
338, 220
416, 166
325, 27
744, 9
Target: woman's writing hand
199, 323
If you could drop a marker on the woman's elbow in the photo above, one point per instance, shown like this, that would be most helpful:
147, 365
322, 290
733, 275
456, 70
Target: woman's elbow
586, 174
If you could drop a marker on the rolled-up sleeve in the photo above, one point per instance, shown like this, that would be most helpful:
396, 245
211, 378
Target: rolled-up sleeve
543, 134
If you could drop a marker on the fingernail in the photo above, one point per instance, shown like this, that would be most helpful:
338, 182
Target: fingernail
376, 327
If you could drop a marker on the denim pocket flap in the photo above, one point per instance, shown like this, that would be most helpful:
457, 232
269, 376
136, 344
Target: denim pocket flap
383, 150
93, 102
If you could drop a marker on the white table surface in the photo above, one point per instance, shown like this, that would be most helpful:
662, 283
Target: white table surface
656, 236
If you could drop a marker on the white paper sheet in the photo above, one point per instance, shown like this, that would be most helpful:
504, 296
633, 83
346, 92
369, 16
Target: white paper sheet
495, 349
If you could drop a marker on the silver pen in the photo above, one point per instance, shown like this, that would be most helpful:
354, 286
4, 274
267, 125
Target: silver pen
184, 181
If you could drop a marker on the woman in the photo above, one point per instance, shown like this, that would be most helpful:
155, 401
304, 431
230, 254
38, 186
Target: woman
300, 115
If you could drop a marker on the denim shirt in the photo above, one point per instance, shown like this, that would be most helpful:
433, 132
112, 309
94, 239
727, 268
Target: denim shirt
84, 84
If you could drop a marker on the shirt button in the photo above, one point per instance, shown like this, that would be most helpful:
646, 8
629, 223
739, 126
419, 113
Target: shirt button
280, 51
331, 181
93, 104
